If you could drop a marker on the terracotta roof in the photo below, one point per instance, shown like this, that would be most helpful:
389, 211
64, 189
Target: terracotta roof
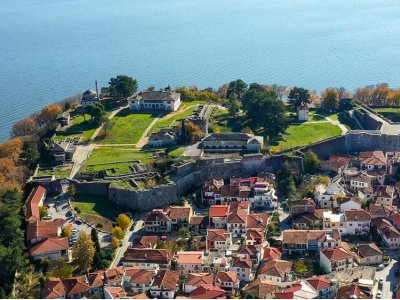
167, 279
303, 236
179, 212
217, 235
376, 158
377, 210
219, 211
213, 185
351, 291
342, 200
156, 256
230, 191
138, 275
41, 229
257, 220
114, 275
320, 282
386, 191
336, 254
395, 218
238, 216
146, 241
298, 290
198, 279
208, 291
240, 262
302, 202
32, 203
357, 215
275, 267
390, 232
189, 257
199, 220
76, 285
261, 289
53, 289
272, 253
156, 215
256, 233
305, 219
116, 292
335, 162
50, 245
249, 249
239, 205
95, 279
228, 276
139, 296
365, 250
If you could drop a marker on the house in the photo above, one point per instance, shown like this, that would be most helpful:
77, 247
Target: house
325, 196
359, 180
255, 236
365, 193
325, 287
233, 192
381, 211
271, 253
146, 241
64, 119
372, 160
299, 207
194, 280
214, 262
53, 289
114, 292
347, 203
395, 220
76, 287
218, 239
51, 248
275, 270
353, 292
189, 262
253, 252
155, 100
137, 280
335, 259
336, 164
35, 199
95, 280
302, 113
261, 289
89, 97
164, 137
37, 231
307, 221
299, 290
264, 195
165, 285
208, 291
211, 191
358, 221
62, 151
147, 258
237, 219
228, 281
218, 215
302, 241
232, 141
243, 268
368, 254
179, 215
199, 223
157, 220
384, 194
257, 221
389, 234
114, 276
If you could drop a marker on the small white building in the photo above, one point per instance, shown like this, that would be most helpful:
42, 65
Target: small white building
89, 97
302, 113
155, 100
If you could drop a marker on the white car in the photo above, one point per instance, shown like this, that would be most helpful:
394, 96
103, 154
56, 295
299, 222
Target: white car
380, 282
379, 295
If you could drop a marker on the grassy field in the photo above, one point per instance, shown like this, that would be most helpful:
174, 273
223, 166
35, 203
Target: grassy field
222, 122
127, 128
62, 171
176, 152
97, 209
305, 134
79, 127
386, 109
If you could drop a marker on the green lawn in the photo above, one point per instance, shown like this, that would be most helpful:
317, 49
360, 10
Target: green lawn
312, 117
176, 152
62, 171
305, 134
386, 109
127, 128
221, 121
79, 127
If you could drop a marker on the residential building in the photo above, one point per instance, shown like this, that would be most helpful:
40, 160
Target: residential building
208, 291
243, 268
368, 254
51, 248
155, 100
264, 195
382, 211
137, 280
114, 276
358, 180
347, 203
62, 151
211, 191
307, 221
189, 262
255, 236
232, 141
218, 215
258, 221
334, 221
358, 221
372, 160
194, 280
389, 234
275, 270
299, 207
64, 119
325, 287
37, 231
179, 215
89, 97
271, 253
261, 289
335, 259
76, 287
336, 164
157, 220
218, 239
384, 194
53, 289
353, 292
164, 137
114, 292
147, 258
35, 199
237, 219
228, 281
165, 285
96, 283
253, 252
299, 290
146, 241
325, 196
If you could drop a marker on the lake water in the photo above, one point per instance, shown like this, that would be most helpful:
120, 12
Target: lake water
51, 49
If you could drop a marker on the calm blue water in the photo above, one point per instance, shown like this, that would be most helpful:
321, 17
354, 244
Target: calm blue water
51, 49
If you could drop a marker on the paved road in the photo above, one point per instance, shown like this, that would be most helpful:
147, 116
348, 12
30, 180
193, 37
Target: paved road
388, 275
193, 150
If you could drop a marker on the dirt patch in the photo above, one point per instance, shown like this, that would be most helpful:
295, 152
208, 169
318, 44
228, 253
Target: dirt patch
94, 220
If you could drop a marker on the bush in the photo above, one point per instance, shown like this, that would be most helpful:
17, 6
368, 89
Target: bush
77, 210
99, 225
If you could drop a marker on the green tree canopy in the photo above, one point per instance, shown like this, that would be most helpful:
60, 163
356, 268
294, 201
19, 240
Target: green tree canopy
122, 86
238, 87
298, 96
312, 164
330, 99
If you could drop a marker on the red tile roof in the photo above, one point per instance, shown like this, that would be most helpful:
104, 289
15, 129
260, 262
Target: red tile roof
189, 257
262, 289
244, 263
76, 285
113, 275
228, 276
50, 245
219, 211
357, 215
320, 282
95, 279
116, 292
351, 291
146, 241
53, 289
41, 229
179, 212
169, 280
275, 267
217, 235
32, 203
139, 276
376, 158
257, 220
208, 291
156, 256
156, 215
336, 254
272, 253
198, 279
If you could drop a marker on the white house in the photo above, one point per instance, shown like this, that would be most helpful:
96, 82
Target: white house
325, 196
335, 259
194, 280
275, 270
155, 100
165, 285
189, 262
218, 239
243, 268
384, 194
137, 280
302, 112
358, 221
89, 97
347, 203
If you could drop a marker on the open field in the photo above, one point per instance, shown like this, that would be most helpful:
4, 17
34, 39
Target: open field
127, 127
97, 209
305, 134
79, 127
61, 171
221, 121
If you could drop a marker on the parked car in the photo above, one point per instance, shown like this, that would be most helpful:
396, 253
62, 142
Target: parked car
379, 295
380, 282
380, 267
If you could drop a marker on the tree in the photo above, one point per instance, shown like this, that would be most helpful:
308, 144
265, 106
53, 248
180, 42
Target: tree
67, 231
60, 269
83, 252
363, 95
330, 99
118, 233
393, 98
27, 284
297, 97
47, 118
24, 127
7, 167
233, 105
312, 164
95, 239
300, 267
107, 124
379, 95
183, 232
122, 87
238, 87
114, 242
71, 190
223, 90
30, 151
11, 149
95, 110
192, 132
123, 221
43, 211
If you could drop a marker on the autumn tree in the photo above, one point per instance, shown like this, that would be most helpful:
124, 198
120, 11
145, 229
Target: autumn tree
43, 211
192, 132
11, 149
123, 221
7, 166
83, 252
363, 95
27, 285
393, 98
60, 269
24, 127
47, 118
118, 233
67, 231
223, 90
298, 96
114, 242
122, 86
379, 95
330, 99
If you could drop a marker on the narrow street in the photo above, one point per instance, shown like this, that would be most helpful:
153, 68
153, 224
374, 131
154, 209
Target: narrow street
388, 275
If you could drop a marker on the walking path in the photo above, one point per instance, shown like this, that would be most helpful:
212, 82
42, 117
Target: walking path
144, 138
327, 120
